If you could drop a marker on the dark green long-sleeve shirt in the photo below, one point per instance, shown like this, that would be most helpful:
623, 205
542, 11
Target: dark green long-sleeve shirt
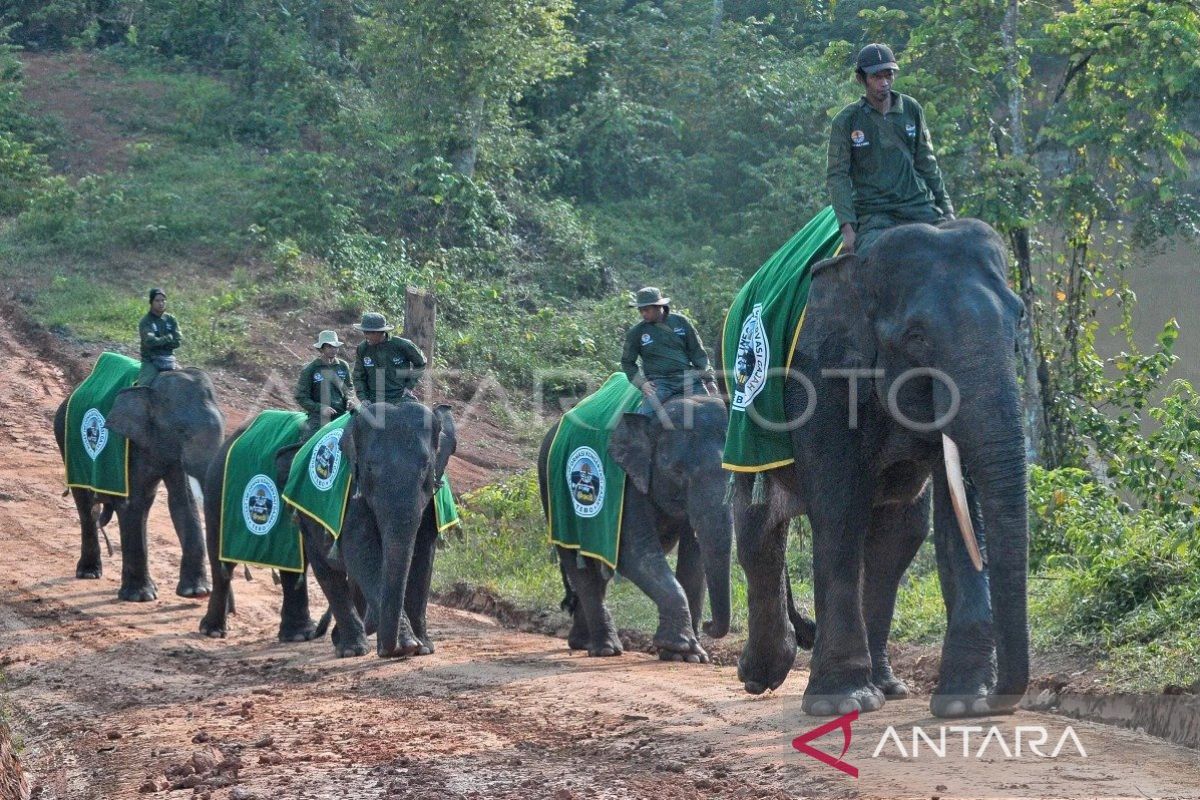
382, 372
667, 350
322, 384
158, 336
883, 163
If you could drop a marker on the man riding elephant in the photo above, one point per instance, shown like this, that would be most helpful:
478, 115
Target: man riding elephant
158, 338
670, 351
386, 367
881, 168
324, 388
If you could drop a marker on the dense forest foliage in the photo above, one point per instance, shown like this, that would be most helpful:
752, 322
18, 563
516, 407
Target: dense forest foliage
531, 161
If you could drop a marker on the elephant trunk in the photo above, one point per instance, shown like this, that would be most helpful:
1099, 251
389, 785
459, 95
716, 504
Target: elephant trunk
713, 523
995, 457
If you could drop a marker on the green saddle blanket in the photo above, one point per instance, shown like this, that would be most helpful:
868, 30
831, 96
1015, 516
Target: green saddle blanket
318, 484
255, 528
97, 458
586, 488
757, 344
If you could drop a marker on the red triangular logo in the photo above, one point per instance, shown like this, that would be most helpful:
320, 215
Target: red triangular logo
843, 722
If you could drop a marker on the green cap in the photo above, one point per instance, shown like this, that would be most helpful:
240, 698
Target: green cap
650, 296
327, 337
373, 322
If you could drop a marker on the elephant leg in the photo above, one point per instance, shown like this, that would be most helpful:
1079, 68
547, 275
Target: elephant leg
840, 676
968, 667
420, 576
220, 601
136, 583
295, 624
349, 635
762, 532
185, 516
893, 541
689, 572
590, 587
89, 564
642, 561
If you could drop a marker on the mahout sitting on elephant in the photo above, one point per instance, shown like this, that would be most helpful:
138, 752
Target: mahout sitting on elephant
173, 426
920, 338
674, 496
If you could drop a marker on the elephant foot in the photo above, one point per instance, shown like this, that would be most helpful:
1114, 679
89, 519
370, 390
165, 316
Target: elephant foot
88, 570
352, 648
606, 646
698, 655
965, 692
138, 592
427, 648
297, 632
763, 666
406, 644
214, 629
838, 695
578, 638
892, 687
194, 587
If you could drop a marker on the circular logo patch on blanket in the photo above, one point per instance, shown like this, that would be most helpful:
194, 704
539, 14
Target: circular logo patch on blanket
585, 479
753, 361
325, 459
260, 505
94, 434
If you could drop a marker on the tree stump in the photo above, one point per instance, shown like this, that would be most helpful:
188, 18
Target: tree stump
420, 319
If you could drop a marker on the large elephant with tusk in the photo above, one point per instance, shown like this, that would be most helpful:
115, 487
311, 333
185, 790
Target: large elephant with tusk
905, 376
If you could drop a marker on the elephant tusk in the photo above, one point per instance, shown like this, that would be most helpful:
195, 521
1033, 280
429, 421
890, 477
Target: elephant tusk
958, 497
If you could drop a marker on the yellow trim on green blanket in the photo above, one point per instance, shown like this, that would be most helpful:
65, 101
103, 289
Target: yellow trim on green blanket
67, 446
550, 509
221, 521
761, 468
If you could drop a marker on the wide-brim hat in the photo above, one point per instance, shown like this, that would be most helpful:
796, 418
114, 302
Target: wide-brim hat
327, 337
876, 57
373, 323
649, 296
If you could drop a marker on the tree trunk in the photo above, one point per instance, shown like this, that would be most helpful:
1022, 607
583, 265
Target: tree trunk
1034, 411
420, 319
470, 128
718, 17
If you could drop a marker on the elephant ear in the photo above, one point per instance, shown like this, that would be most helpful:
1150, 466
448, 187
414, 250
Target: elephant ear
131, 415
840, 307
631, 446
284, 457
348, 444
445, 439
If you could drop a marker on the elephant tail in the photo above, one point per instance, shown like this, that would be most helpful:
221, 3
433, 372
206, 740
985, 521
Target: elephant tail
323, 624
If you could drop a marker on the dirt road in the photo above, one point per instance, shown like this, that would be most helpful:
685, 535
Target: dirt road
116, 700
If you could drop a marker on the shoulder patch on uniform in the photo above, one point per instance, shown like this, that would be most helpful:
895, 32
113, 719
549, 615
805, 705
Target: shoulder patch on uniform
858, 139
368, 361
647, 338
317, 377
681, 331
910, 129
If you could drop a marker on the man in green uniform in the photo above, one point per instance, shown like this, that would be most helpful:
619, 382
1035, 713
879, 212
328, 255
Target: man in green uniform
881, 169
324, 389
158, 336
670, 351
386, 368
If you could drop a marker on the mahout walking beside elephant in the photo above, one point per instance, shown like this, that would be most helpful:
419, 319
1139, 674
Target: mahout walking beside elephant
920, 338
173, 426
674, 496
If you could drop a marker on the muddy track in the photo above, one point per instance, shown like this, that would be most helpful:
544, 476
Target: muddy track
119, 700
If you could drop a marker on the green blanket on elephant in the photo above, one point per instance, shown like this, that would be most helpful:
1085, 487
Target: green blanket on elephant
757, 344
254, 526
585, 487
318, 484
95, 457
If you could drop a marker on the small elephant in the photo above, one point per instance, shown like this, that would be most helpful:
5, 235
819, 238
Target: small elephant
389, 536
295, 624
674, 496
906, 357
173, 426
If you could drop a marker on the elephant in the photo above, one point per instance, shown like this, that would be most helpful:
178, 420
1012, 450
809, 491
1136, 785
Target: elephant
902, 375
295, 624
173, 426
386, 549
674, 496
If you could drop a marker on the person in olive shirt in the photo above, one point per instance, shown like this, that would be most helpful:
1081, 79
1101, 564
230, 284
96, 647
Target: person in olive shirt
386, 368
324, 388
669, 349
881, 170
158, 337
